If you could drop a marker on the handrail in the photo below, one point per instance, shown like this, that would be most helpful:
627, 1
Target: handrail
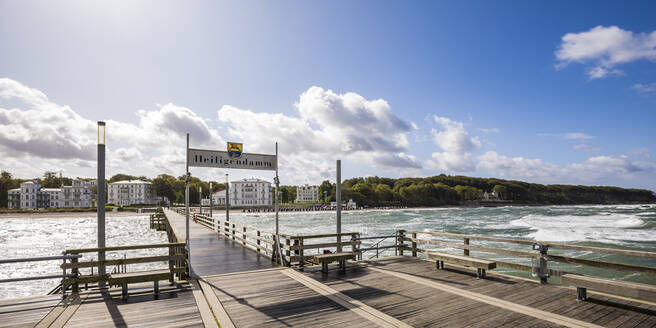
37, 259
539, 257
551, 244
41, 258
121, 248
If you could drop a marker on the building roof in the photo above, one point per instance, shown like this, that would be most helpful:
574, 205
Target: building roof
15, 190
50, 189
250, 180
131, 182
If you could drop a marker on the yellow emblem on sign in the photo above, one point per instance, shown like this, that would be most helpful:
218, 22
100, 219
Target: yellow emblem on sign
235, 150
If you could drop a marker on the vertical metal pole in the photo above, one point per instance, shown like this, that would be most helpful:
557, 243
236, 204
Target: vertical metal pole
277, 181
200, 200
227, 200
187, 208
100, 194
338, 192
211, 201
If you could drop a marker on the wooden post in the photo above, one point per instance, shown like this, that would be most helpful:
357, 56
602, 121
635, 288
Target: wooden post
75, 271
466, 251
287, 252
401, 236
258, 240
300, 253
414, 244
171, 264
244, 235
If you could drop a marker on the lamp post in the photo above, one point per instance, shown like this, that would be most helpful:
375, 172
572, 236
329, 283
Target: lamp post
200, 199
227, 204
100, 200
211, 200
338, 209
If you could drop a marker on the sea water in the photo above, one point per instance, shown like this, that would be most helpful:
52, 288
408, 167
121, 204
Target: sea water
36, 237
612, 226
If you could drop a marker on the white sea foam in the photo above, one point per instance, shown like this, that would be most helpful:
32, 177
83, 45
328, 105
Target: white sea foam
605, 228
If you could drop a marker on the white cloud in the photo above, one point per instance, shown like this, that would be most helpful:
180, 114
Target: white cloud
605, 48
48, 136
591, 170
645, 88
329, 126
456, 145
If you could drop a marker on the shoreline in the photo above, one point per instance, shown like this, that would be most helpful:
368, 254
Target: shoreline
46, 215
239, 211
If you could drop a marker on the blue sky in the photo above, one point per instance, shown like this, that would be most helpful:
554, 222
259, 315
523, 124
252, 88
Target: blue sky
479, 83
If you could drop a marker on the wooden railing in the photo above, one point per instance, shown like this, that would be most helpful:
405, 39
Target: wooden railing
262, 241
176, 258
540, 256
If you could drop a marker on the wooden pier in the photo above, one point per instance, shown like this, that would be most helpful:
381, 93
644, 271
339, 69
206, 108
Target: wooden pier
234, 283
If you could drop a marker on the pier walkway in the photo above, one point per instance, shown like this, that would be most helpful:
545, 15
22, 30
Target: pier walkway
212, 254
235, 286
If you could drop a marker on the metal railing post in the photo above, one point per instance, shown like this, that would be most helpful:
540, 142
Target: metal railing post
400, 246
466, 250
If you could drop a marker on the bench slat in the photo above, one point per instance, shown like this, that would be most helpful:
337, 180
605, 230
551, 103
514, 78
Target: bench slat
332, 257
463, 260
617, 287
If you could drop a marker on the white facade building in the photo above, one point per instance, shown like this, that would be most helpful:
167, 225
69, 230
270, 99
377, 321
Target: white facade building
307, 194
219, 197
131, 192
250, 192
31, 195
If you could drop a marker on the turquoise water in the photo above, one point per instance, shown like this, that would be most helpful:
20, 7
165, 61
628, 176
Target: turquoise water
613, 226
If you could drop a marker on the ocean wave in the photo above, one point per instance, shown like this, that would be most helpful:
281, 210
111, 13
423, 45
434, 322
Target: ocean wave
611, 228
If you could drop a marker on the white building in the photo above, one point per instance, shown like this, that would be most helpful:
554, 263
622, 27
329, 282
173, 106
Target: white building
307, 194
131, 192
250, 192
219, 197
31, 195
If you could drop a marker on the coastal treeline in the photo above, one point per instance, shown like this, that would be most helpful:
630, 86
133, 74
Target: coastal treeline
456, 190
437, 190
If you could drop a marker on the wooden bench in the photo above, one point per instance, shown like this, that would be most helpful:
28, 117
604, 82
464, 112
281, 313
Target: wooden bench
325, 259
480, 264
616, 287
124, 279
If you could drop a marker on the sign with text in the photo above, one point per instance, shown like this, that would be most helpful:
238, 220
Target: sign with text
222, 159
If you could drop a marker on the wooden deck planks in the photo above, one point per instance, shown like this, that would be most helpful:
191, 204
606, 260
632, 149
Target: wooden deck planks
601, 309
172, 309
213, 254
272, 299
26, 312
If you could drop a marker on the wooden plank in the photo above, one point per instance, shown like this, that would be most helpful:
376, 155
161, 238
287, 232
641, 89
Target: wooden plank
332, 257
623, 288
135, 260
473, 247
365, 311
324, 245
217, 308
551, 244
68, 312
121, 248
48, 320
463, 260
557, 319
601, 264
205, 313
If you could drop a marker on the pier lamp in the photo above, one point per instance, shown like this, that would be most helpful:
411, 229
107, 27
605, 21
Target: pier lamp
100, 199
